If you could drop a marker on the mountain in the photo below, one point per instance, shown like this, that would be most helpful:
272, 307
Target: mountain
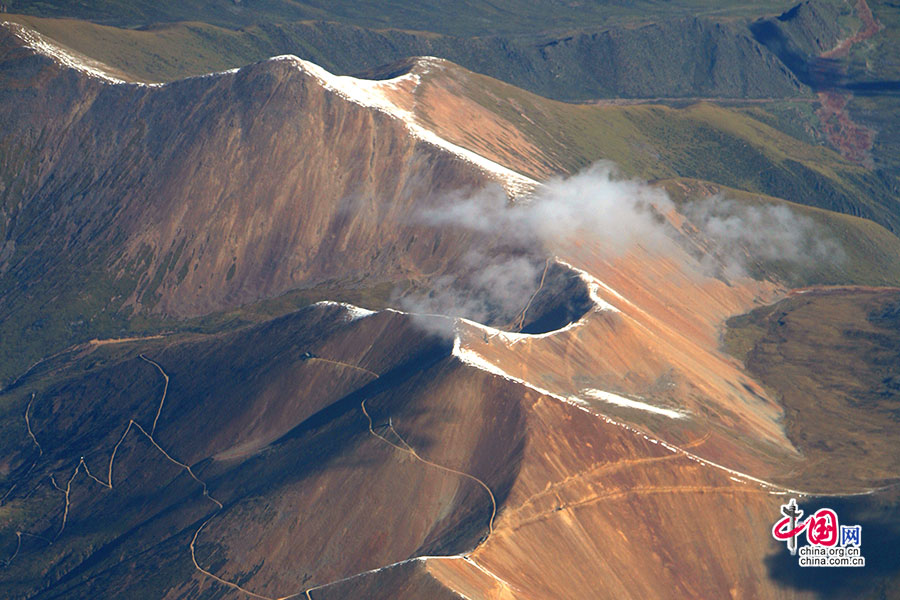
681, 57
126, 225
134, 170
279, 333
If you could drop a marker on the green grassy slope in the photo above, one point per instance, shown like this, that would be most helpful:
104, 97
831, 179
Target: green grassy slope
647, 141
471, 17
871, 253
831, 356
682, 57
701, 141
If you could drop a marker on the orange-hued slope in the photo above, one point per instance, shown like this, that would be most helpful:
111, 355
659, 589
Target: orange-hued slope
339, 452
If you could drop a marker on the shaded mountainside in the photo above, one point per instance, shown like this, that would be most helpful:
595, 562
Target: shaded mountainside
800, 35
136, 169
593, 441
159, 201
201, 195
473, 17
684, 57
341, 445
223, 408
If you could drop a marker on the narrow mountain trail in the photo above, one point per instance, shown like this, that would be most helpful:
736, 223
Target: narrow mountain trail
149, 435
519, 321
636, 492
343, 364
213, 576
33, 439
16, 551
165, 390
401, 445
89, 344
581, 476
602, 469
67, 493
81, 462
412, 452
28, 426
490, 574
405, 448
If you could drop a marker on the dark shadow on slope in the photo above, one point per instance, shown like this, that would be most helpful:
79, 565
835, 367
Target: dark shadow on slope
563, 299
820, 74
879, 516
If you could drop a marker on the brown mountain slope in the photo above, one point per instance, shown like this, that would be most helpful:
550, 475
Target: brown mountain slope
605, 447
280, 473
202, 195
355, 458
293, 179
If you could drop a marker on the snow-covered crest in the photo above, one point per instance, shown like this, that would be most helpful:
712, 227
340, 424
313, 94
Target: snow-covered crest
375, 94
365, 92
353, 312
43, 45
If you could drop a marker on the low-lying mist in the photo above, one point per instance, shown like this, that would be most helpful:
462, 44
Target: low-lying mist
613, 214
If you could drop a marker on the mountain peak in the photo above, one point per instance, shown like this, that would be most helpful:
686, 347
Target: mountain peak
396, 98
64, 57
393, 97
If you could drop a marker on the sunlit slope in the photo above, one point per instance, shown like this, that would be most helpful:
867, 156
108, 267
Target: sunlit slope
470, 482
868, 252
702, 141
273, 423
335, 452
214, 166
831, 355
202, 195
647, 141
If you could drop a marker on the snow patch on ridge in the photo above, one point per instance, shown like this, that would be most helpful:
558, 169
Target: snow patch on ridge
473, 359
371, 93
511, 337
42, 45
353, 312
594, 285
629, 403
365, 92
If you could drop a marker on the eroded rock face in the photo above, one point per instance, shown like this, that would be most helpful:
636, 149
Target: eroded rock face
352, 452
337, 452
216, 191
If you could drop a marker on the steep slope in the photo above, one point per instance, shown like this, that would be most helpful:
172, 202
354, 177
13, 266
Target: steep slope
165, 198
840, 406
703, 141
684, 56
276, 465
598, 442
359, 458
649, 141
374, 152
